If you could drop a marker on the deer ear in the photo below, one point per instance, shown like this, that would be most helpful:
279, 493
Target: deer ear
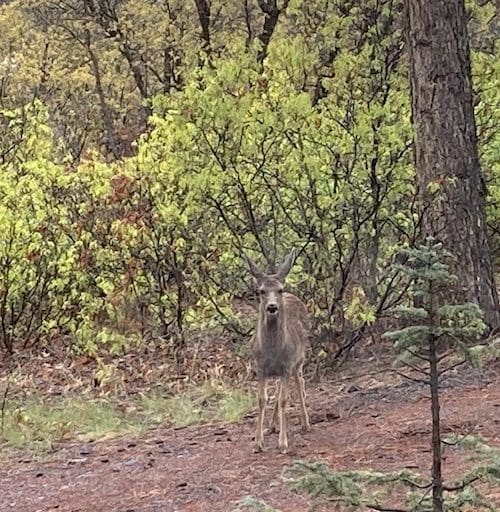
254, 269
287, 266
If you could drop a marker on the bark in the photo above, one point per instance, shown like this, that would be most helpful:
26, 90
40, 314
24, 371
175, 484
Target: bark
132, 60
446, 145
106, 113
437, 479
105, 15
168, 70
247, 8
203, 8
271, 15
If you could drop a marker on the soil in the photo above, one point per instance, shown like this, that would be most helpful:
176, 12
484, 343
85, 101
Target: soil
368, 422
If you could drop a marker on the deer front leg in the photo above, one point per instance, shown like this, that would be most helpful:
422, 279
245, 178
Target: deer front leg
273, 426
259, 434
283, 439
304, 417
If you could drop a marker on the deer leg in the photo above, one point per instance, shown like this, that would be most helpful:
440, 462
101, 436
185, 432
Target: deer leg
301, 386
262, 399
273, 426
283, 440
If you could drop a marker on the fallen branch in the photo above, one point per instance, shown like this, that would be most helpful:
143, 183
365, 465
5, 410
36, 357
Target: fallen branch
385, 509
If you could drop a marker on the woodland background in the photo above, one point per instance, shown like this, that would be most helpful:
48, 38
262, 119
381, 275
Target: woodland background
144, 145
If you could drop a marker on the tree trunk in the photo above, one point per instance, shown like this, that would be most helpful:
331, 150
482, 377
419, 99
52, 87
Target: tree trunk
271, 15
437, 478
203, 8
107, 116
451, 188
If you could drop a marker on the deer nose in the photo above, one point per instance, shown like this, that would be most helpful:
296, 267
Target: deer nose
272, 308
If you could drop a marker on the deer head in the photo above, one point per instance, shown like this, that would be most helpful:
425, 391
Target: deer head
270, 286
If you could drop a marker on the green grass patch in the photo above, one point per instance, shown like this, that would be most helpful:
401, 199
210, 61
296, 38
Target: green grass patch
37, 423
234, 404
211, 401
180, 410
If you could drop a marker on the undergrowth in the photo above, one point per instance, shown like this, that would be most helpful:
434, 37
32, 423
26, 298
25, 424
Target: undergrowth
37, 423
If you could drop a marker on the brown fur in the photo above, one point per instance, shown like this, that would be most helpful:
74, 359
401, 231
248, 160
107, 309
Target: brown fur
280, 344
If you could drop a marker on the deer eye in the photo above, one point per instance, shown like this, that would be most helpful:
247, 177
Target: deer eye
262, 292
280, 291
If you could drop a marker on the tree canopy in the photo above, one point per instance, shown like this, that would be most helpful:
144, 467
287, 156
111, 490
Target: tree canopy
145, 144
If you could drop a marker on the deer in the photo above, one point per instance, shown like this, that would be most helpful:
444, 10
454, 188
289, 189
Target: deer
280, 343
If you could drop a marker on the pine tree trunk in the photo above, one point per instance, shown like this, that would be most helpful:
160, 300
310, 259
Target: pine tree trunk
446, 145
437, 477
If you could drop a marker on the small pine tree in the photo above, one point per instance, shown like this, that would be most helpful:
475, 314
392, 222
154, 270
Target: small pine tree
435, 333
437, 337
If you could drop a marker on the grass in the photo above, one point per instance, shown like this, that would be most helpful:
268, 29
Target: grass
180, 410
252, 504
38, 423
234, 404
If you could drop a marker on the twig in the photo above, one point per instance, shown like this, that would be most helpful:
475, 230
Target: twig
417, 369
417, 486
4, 402
413, 379
385, 509
460, 363
418, 356
461, 486
430, 487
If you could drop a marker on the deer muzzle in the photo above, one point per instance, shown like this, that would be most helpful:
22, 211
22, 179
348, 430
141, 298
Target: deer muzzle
272, 309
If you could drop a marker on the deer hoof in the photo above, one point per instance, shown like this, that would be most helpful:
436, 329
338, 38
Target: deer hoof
283, 448
306, 428
272, 429
258, 448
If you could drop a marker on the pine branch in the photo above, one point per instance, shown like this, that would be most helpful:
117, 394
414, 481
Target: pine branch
418, 486
426, 493
413, 379
463, 485
445, 355
418, 356
456, 365
417, 369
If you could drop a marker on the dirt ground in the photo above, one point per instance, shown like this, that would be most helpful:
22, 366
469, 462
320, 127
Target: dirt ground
363, 423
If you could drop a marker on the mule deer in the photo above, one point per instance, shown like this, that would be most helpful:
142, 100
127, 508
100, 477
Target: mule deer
280, 343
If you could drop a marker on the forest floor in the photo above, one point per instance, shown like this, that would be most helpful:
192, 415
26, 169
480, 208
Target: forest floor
376, 420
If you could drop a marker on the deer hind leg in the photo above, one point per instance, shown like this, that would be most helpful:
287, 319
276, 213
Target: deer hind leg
262, 399
301, 386
273, 426
283, 439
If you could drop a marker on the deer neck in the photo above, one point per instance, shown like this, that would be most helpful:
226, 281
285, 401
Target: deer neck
272, 330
